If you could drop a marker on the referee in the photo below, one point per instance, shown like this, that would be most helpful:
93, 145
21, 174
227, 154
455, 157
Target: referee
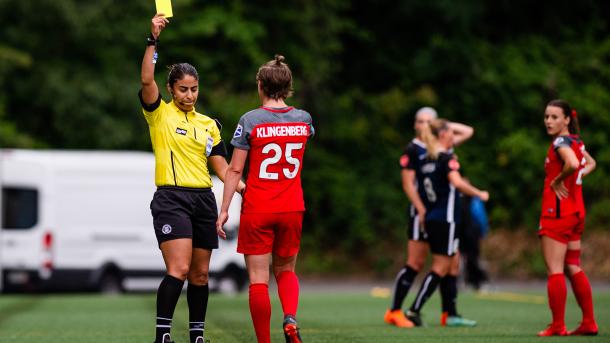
183, 207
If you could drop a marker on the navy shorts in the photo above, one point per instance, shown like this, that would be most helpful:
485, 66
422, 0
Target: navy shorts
180, 212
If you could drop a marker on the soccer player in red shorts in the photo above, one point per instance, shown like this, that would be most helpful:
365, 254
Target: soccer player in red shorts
563, 216
270, 141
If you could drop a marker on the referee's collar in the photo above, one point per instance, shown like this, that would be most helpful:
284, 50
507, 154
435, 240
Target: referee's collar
173, 104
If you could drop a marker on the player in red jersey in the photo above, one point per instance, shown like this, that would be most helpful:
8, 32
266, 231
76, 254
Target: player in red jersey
272, 140
562, 218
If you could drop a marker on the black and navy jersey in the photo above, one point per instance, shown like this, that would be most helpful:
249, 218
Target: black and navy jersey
414, 153
440, 198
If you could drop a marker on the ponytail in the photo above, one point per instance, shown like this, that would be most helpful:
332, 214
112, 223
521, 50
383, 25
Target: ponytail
430, 136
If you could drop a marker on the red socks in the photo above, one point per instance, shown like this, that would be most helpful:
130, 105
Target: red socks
288, 290
260, 310
582, 291
557, 292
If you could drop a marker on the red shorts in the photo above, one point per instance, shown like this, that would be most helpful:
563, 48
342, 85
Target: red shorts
262, 233
564, 230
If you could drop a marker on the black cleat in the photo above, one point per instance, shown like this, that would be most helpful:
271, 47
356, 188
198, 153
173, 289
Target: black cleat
291, 330
415, 318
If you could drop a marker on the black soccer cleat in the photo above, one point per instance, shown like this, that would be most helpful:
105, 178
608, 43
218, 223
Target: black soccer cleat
291, 330
415, 318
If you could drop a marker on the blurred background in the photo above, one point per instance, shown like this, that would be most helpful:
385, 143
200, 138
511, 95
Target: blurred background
69, 78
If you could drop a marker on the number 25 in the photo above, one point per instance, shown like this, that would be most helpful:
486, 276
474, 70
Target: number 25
277, 150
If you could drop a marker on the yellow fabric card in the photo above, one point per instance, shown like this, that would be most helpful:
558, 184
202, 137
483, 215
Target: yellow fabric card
165, 7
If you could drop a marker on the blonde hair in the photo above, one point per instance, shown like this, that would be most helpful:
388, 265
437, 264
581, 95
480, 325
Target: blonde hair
430, 136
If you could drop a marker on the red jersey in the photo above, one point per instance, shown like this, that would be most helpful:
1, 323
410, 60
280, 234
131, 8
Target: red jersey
276, 139
552, 206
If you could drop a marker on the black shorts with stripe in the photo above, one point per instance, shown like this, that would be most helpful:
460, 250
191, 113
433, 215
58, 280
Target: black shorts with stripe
180, 212
443, 237
415, 232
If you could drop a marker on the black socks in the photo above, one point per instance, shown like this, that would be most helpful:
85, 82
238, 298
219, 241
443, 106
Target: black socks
167, 297
428, 287
449, 294
404, 280
197, 298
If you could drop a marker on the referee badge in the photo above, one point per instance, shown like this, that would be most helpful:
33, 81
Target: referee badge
209, 146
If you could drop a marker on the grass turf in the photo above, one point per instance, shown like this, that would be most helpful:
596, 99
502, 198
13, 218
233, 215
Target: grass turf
324, 317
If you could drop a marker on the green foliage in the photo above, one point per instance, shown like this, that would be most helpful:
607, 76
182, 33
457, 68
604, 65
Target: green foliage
69, 72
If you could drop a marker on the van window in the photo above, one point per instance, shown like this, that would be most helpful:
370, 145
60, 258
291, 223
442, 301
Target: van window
19, 208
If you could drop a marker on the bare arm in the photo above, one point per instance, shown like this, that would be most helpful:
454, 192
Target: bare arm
589, 165
231, 180
408, 185
570, 164
465, 187
220, 166
150, 91
461, 132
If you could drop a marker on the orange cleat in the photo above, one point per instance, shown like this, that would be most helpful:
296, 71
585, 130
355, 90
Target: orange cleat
553, 330
397, 318
585, 329
444, 317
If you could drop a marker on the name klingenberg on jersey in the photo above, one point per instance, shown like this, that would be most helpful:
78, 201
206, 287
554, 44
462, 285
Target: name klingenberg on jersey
276, 138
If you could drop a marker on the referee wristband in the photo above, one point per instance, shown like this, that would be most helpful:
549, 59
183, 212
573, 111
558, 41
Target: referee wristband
150, 40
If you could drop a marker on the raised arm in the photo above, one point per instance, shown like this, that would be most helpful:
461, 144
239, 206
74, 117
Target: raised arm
150, 90
461, 133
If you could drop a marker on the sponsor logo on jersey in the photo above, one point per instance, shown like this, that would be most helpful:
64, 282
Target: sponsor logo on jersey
404, 160
181, 131
166, 229
428, 168
238, 131
282, 131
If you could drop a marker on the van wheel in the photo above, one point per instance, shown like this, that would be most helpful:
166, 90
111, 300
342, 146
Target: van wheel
111, 283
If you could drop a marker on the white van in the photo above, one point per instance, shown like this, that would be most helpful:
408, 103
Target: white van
80, 221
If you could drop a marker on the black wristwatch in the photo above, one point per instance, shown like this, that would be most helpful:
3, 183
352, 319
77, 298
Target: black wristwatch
150, 40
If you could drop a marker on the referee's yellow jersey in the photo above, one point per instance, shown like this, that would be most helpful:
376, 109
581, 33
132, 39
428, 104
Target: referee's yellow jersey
182, 142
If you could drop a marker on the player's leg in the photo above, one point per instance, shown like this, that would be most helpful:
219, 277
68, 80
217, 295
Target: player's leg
260, 304
177, 257
417, 251
197, 293
554, 252
440, 267
449, 294
582, 290
285, 251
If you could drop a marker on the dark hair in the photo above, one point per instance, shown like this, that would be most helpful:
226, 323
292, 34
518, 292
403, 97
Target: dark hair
275, 78
178, 71
568, 111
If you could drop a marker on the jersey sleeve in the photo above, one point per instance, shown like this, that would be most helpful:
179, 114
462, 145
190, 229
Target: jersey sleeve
449, 163
408, 157
562, 142
309, 122
152, 112
218, 146
241, 134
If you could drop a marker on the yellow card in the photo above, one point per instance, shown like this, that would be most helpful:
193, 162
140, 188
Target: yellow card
165, 7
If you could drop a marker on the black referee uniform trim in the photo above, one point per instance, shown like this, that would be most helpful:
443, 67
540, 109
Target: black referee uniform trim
149, 107
220, 149
173, 168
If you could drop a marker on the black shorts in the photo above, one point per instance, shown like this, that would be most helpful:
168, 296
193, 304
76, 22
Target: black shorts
180, 212
415, 232
443, 237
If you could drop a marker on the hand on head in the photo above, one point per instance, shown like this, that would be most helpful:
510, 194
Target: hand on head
157, 25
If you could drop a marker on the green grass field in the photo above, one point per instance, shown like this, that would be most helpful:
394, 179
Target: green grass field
337, 317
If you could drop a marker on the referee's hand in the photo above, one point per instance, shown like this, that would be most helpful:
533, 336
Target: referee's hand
223, 216
157, 24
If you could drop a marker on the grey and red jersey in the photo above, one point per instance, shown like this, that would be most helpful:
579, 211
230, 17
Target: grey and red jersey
276, 139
